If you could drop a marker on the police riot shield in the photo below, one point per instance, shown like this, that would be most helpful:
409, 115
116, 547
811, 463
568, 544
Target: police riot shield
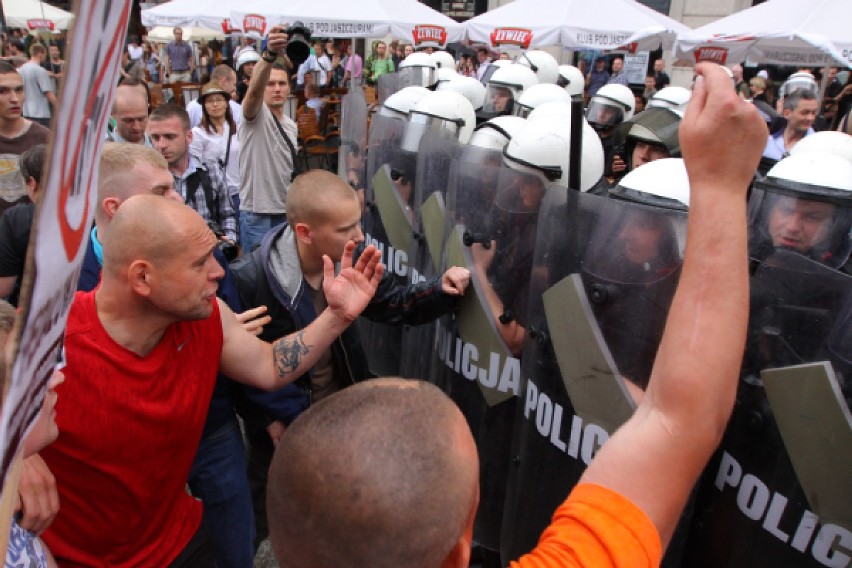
352, 159
777, 493
815, 224
603, 278
388, 84
494, 211
435, 152
388, 224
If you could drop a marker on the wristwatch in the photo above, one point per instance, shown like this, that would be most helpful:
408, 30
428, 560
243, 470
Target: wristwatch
268, 56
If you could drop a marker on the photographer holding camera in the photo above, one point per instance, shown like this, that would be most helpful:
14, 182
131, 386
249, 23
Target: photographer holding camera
202, 189
268, 139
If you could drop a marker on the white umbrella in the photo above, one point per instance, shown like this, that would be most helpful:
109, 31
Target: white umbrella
35, 15
210, 14
403, 19
811, 33
575, 24
165, 34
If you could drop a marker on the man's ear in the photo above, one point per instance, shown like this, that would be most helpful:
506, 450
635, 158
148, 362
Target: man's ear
139, 275
110, 205
303, 233
459, 555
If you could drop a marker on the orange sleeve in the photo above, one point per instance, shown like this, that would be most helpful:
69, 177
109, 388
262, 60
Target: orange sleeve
596, 528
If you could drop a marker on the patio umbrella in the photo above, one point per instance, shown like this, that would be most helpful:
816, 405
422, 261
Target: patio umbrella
815, 33
210, 14
165, 34
35, 15
407, 20
575, 24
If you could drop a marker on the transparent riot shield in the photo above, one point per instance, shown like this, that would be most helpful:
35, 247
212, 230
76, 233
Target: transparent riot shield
815, 225
494, 211
388, 84
352, 161
777, 493
603, 278
435, 153
388, 224
630, 272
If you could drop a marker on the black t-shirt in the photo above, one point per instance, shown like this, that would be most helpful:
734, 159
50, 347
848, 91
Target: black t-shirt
15, 225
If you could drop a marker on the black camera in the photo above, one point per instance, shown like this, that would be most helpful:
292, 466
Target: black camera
298, 43
227, 248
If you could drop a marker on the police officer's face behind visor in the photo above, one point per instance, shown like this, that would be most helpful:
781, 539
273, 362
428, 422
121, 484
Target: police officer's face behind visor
501, 100
641, 235
800, 224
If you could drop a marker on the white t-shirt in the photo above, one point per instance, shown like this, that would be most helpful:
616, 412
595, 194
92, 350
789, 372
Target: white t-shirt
193, 109
209, 149
266, 163
36, 83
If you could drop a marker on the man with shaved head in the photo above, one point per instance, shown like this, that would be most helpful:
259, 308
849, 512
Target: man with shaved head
130, 113
218, 473
360, 478
143, 350
286, 274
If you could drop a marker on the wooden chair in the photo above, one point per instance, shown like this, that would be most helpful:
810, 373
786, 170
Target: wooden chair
157, 95
312, 141
191, 93
371, 95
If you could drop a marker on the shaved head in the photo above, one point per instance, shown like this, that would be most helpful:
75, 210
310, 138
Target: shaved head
313, 194
381, 474
127, 170
150, 228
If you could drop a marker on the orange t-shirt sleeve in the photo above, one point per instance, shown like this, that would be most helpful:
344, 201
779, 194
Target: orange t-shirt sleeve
596, 528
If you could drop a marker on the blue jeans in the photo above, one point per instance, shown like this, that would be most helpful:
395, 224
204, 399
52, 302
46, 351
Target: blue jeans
218, 478
253, 227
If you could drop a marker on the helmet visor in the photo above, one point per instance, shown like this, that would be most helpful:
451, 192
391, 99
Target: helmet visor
420, 123
416, 76
499, 100
602, 114
818, 229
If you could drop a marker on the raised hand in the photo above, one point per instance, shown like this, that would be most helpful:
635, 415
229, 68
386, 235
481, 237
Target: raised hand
348, 293
722, 136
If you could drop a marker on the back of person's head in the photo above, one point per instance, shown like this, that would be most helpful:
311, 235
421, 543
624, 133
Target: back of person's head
31, 162
791, 101
169, 110
312, 90
313, 194
6, 68
382, 474
220, 72
37, 49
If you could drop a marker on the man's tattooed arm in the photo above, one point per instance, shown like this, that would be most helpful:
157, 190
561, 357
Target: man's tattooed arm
289, 352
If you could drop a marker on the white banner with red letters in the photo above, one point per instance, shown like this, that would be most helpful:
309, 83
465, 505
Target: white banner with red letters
64, 216
407, 20
782, 32
608, 25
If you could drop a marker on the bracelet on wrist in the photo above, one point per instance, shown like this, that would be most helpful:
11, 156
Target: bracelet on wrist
268, 56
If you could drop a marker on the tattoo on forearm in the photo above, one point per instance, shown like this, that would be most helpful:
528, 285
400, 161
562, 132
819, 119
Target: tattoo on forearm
288, 353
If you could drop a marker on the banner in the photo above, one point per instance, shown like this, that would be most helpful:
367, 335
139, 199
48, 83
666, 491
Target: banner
64, 216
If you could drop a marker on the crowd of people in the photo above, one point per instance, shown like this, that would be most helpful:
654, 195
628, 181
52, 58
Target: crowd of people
220, 280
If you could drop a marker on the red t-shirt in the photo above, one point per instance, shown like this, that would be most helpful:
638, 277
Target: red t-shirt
596, 527
129, 430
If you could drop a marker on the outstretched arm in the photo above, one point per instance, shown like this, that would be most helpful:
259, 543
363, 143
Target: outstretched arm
656, 457
253, 101
251, 361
